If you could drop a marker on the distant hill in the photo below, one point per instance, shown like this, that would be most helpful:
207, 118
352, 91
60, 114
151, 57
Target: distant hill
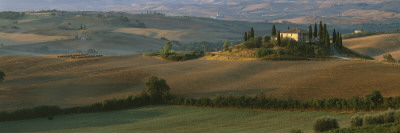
113, 33
305, 11
376, 46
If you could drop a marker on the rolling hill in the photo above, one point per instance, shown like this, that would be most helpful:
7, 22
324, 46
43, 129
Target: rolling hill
376, 46
175, 119
114, 33
38, 80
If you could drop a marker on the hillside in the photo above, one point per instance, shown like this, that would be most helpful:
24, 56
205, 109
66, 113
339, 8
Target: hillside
38, 80
114, 33
171, 119
376, 46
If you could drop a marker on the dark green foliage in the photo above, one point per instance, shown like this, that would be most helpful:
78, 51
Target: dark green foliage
182, 56
320, 30
157, 88
245, 36
327, 40
310, 34
11, 15
250, 34
334, 36
356, 121
262, 52
381, 128
253, 42
389, 116
296, 131
279, 38
2, 76
273, 33
389, 58
267, 38
373, 119
91, 51
373, 100
167, 49
315, 30
325, 124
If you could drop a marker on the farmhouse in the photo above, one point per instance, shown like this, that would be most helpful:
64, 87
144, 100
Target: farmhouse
357, 31
297, 34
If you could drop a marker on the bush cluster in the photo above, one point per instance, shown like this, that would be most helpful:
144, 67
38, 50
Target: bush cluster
388, 116
181, 56
373, 101
325, 124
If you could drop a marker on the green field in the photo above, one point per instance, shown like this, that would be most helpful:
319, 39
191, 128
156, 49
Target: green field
175, 119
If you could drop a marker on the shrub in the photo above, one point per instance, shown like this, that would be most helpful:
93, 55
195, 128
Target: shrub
396, 116
157, 88
373, 100
388, 116
296, 131
389, 58
325, 124
356, 121
262, 52
2, 75
373, 119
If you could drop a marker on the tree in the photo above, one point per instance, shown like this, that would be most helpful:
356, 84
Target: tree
157, 88
327, 40
310, 34
167, 48
315, 30
245, 36
337, 39
226, 46
2, 75
279, 38
389, 58
252, 32
325, 30
91, 51
340, 41
273, 30
267, 38
320, 30
374, 99
205, 47
334, 36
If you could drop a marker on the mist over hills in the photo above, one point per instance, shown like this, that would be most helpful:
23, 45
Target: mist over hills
299, 11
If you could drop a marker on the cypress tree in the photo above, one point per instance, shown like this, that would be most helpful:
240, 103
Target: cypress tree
334, 36
324, 31
245, 36
252, 32
249, 35
327, 40
341, 41
315, 30
310, 34
320, 31
279, 38
273, 30
337, 39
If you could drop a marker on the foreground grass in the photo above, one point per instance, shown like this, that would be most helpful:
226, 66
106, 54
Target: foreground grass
175, 119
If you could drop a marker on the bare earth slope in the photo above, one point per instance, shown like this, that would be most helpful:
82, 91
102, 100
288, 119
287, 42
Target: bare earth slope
376, 46
38, 80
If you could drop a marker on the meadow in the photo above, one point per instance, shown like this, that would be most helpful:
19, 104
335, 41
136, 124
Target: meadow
176, 119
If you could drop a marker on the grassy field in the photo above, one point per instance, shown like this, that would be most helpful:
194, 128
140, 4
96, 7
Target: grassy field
39, 80
376, 46
176, 119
